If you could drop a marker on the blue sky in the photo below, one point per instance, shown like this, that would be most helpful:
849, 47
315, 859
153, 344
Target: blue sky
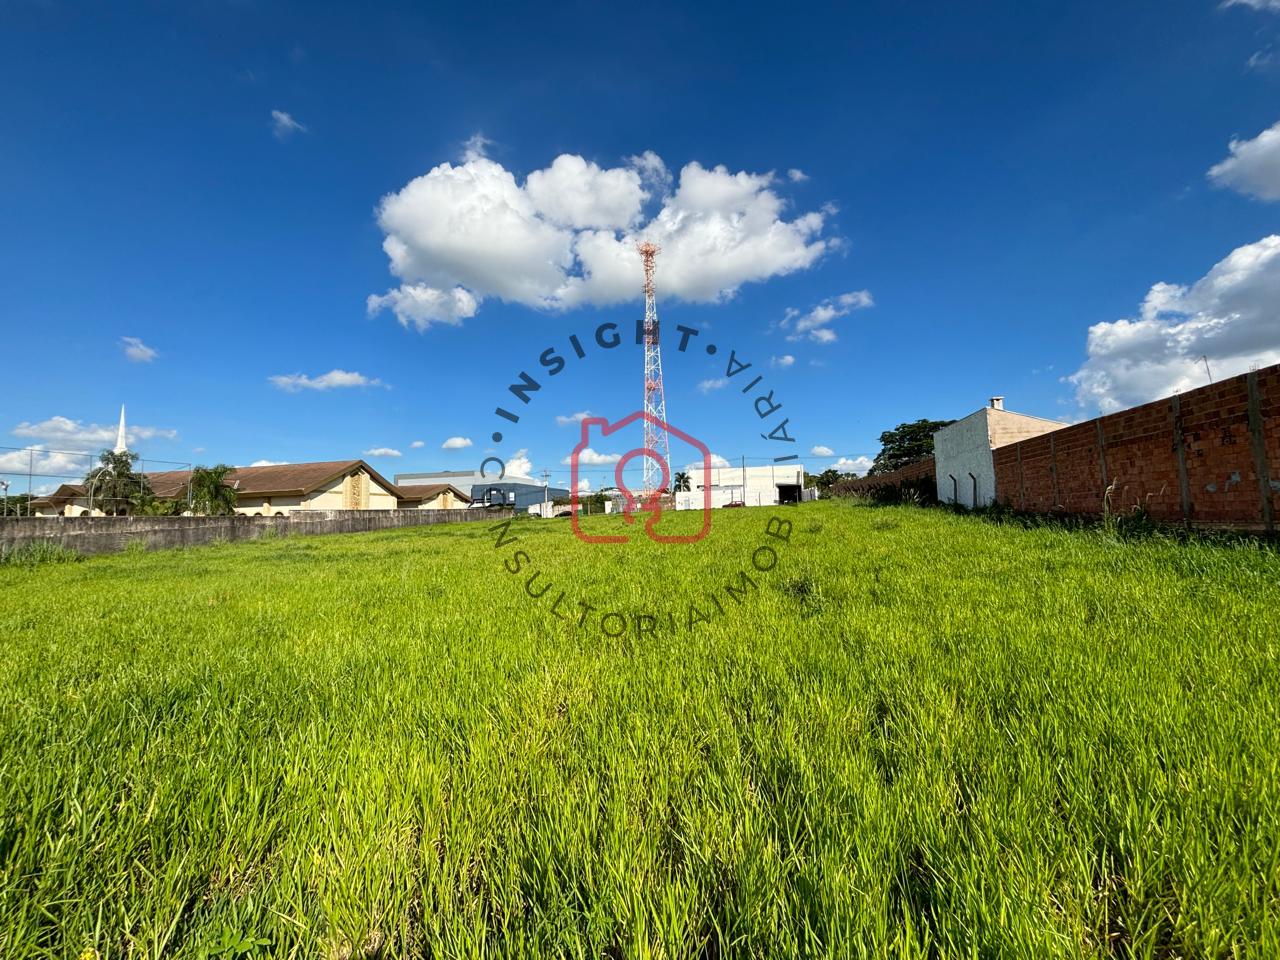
975, 188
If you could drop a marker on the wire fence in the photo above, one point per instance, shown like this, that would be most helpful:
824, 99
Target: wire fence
70, 483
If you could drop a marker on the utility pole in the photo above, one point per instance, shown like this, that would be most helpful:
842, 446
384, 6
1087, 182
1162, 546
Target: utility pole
1206, 367
546, 490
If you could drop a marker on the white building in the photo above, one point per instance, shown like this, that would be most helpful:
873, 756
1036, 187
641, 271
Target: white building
963, 464
745, 486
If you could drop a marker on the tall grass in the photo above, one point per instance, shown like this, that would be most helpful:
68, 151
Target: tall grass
36, 554
923, 736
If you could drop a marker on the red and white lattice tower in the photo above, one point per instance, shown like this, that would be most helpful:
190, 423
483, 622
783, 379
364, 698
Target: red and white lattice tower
655, 401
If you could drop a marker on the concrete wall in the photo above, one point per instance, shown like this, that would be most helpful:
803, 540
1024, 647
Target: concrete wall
962, 458
962, 452
1005, 426
91, 535
1210, 456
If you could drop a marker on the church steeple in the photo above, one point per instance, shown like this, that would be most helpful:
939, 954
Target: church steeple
121, 445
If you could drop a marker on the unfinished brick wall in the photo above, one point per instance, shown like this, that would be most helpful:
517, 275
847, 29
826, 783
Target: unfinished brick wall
921, 470
1209, 456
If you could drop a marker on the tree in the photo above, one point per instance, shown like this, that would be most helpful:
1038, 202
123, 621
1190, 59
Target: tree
682, 482
827, 479
211, 495
905, 444
113, 486
160, 507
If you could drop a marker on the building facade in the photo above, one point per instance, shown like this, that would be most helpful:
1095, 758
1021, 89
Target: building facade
278, 490
521, 493
964, 465
744, 486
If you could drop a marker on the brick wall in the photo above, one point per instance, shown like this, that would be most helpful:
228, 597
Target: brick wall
921, 470
1210, 456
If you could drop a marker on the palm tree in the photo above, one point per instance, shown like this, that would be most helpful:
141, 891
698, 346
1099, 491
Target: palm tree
211, 495
114, 486
682, 482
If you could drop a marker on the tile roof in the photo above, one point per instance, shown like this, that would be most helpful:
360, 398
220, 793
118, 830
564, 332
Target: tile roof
65, 492
429, 491
277, 479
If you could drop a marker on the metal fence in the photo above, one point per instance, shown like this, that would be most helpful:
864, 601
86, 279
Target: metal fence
28, 473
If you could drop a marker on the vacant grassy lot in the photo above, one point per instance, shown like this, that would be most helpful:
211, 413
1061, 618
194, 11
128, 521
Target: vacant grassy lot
917, 735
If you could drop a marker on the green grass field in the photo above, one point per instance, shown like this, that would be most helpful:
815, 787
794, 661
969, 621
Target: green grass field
917, 735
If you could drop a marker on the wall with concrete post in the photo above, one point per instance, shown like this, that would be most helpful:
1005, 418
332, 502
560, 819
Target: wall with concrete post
90, 535
1209, 456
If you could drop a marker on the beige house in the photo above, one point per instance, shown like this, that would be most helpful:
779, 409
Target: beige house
77, 500
281, 489
434, 496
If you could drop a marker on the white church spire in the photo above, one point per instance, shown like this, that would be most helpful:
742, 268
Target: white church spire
121, 445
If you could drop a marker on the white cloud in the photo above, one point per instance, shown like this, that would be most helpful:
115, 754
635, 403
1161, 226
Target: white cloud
576, 193
566, 236
590, 458
417, 444
476, 147
66, 467
1231, 316
382, 452
572, 418
284, 126
1255, 4
269, 463
519, 464
456, 443
815, 324
717, 383
584, 485
64, 431
137, 351
783, 361
858, 465
1253, 167
821, 451
716, 461
1260, 60
653, 172
418, 305
334, 379
797, 176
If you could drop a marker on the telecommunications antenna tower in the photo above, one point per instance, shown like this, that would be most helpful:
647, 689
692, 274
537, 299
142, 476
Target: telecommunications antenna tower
655, 402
